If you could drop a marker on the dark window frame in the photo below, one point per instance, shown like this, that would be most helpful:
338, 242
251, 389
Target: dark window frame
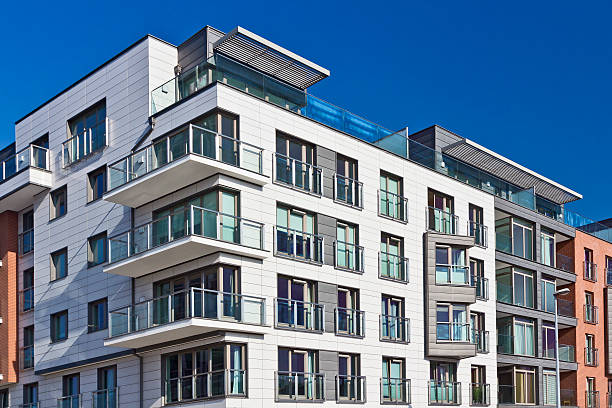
53, 209
53, 333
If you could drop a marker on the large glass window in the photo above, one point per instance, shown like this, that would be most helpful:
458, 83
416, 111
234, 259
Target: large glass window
441, 213
203, 373
28, 347
348, 254
393, 326
28, 290
59, 264
87, 133
59, 326
30, 395
106, 395
97, 315
347, 188
96, 184
524, 337
71, 390
392, 263
392, 203
524, 387
550, 387
96, 250
295, 163
548, 289
298, 375
393, 375
451, 267
523, 288
548, 340
295, 234
297, 303
350, 385
58, 203
522, 238
452, 324
547, 247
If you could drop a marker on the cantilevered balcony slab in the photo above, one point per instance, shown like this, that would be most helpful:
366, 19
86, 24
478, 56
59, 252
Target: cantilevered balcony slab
161, 244
179, 160
23, 176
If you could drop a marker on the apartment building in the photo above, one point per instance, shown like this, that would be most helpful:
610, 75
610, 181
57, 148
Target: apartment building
187, 225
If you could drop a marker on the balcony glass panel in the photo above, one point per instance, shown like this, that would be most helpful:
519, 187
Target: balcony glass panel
350, 388
395, 328
393, 266
480, 394
299, 244
395, 390
444, 392
393, 205
349, 256
348, 191
442, 221
299, 386
350, 322
300, 315
298, 174
108, 398
71, 401
479, 232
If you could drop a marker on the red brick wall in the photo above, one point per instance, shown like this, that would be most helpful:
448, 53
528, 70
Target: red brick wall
9, 348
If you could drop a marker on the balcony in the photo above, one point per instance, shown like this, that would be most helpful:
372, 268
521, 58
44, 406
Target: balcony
298, 315
481, 339
348, 256
180, 237
299, 386
27, 357
297, 174
444, 392
515, 345
395, 391
349, 322
350, 388
479, 232
393, 206
567, 353
453, 332
393, 267
22, 176
179, 160
591, 399
565, 263
71, 401
184, 314
480, 395
591, 357
394, 328
441, 221
108, 398
565, 308
207, 385
458, 275
348, 191
568, 398
590, 271
298, 245
482, 287
590, 314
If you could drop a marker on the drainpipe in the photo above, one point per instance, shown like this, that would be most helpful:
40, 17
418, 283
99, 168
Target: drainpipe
141, 374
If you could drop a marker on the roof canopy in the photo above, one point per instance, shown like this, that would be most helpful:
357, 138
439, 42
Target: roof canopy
478, 156
251, 49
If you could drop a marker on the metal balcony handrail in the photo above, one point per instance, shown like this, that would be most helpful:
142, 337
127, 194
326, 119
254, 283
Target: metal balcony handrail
68, 401
352, 190
310, 174
352, 386
352, 252
450, 270
444, 392
392, 266
311, 314
398, 390
448, 221
311, 247
107, 398
392, 205
185, 304
591, 314
480, 232
315, 382
397, 328
351, 320
226, 375
457, 332
26, 157
480, 394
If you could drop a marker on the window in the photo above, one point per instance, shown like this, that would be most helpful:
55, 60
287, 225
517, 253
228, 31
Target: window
441, 213
547, 244
548, 288
28, 347
71, 388
524, 386
479, 336
349, 319
524, 337
96, 249
476, 227
478, 385
4, 398
452, 322
393, 265
214, 371
228, 150
30, 395
515, 286
349, 255
592, 395
346, 187
299, 366
609, 271
393, 324
97, 313
550, 387
26, 238
590, 352
590, 310
297, 304
478, 279
590, 268
548, 340
350, 384
87, 134
58, 203
451, 266
392, 203
514, 236
96, 184
28, 290
59, 264
106, 395
295, 162
296, 235
59, 326
444, 388
393, 380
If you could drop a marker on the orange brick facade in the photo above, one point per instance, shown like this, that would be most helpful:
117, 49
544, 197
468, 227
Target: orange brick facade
576, 336
9, 349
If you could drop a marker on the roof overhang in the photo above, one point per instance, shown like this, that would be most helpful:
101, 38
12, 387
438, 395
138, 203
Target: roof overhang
478, 156
269, 58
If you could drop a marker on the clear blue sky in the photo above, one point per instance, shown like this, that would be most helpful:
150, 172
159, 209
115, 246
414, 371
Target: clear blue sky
529, 80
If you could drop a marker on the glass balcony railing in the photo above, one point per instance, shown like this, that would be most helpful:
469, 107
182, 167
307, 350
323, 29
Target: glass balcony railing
348, 191
299, 386
565, 308
195, 221
350, 322
295, 314
108, 398
568, 398
590, 271
27, 299
515, 345
392, 205
479, 232
509, 394
391, 266
71, 401
350, 388
442, 221
298, 244
565, 263
444, 392
590, 314
395, 391
85, 143
482, 287
567, 353
211, 384
480, 395
453, 275
591, 399
297, 174
481, 339
187, 304
591, 356
453, 332
394, 328
27, 357
190, 139
31, 156
26, 242
348, 256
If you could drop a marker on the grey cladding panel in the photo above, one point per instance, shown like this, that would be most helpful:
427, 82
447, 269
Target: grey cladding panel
328, 296
326, 227
192, 51
326, 160
328, 364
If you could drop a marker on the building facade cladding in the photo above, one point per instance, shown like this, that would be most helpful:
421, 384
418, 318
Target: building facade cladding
124, 85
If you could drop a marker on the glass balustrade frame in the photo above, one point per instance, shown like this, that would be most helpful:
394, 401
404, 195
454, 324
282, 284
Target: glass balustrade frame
353, 255
398, 203
397, 329
349, 322
297, 315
